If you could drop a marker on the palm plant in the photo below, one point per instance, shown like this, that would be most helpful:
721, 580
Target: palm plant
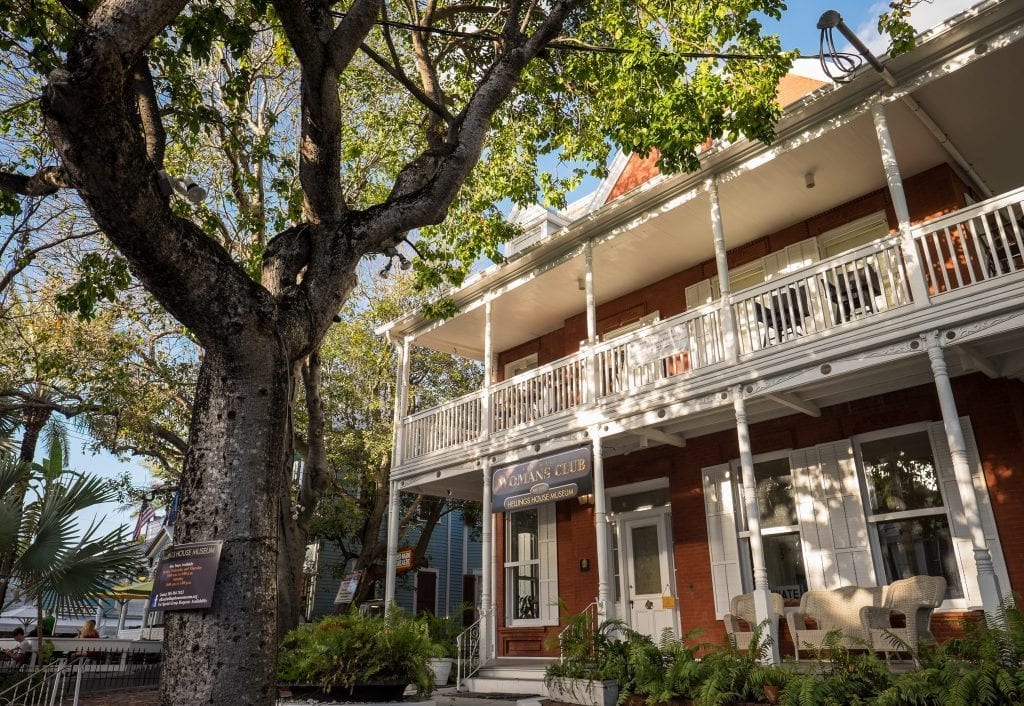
53, 561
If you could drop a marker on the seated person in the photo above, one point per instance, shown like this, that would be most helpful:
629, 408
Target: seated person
22, 652
87, 632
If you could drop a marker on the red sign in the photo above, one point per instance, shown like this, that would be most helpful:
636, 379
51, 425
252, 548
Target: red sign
404, 560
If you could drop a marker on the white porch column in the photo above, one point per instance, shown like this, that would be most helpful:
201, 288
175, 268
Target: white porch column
485, 402
487, 625
588, 254
918, 286
762, 599
401, 405
605, 609
391, 567
988, 583
722, 263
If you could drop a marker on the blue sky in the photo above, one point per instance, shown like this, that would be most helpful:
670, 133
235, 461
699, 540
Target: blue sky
798, 31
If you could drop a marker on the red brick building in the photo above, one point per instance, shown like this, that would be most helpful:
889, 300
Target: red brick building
799, 368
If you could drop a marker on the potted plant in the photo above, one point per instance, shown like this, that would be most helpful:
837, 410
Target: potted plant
355, 656
444, 633
592, 664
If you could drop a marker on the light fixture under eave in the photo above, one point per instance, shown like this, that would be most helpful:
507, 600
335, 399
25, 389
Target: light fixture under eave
587, 499
809, 180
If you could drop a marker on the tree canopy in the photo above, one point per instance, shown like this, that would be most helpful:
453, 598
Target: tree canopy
322, 133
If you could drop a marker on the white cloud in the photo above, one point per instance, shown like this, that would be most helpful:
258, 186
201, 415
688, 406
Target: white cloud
926, 15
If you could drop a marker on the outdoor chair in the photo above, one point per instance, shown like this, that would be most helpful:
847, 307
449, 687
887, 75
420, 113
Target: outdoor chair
837, 609
916, 598
741, 607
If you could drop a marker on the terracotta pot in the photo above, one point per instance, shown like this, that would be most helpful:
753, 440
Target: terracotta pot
772, 692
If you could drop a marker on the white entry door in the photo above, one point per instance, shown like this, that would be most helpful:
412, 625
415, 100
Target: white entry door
650, 586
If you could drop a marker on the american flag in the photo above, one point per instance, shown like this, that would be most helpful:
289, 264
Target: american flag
146, 514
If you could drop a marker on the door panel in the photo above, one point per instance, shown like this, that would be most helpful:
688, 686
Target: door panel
648, 577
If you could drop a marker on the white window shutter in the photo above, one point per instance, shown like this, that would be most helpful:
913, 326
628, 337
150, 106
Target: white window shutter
547, 548
959, 526
723, 546
833, 526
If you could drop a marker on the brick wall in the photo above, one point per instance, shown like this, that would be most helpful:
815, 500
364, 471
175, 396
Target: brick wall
996, 409
929, 194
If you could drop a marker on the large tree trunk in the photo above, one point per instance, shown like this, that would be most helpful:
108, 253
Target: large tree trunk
235, 480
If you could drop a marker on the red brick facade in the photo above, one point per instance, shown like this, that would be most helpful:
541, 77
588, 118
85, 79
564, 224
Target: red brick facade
996, 410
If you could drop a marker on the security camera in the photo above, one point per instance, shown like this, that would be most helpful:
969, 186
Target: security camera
188, 188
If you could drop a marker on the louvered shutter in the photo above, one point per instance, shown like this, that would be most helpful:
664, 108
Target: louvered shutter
959, 526
723, 547
547, 549
830, 511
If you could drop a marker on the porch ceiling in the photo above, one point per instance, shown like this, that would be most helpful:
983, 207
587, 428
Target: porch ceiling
643, 247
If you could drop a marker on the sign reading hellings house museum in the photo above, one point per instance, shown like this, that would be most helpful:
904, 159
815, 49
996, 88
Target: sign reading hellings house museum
185, 576
560, 476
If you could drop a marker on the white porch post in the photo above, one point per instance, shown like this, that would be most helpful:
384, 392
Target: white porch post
722, 263
988, 583
401, 405
487, 624
605, 609
762, 597
918, 286
485, 403
588, 253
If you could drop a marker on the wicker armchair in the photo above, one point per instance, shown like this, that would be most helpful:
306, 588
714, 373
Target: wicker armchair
916, 598
741, 607
838, 609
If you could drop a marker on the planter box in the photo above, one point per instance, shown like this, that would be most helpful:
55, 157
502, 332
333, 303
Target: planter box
442, 670
583, 691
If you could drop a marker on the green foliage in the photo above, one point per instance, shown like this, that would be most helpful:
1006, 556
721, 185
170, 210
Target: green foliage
444, 630
840, 675
53, 559
896, 23
344, 650
100, 278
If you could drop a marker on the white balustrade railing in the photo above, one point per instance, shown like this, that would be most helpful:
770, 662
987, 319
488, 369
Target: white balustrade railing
835, 292
968, 247
538, 393
668, 348
974, 244
443, 427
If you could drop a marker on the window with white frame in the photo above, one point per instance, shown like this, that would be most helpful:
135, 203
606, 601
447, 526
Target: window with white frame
780, 531
864, 511
905, 509
531, 570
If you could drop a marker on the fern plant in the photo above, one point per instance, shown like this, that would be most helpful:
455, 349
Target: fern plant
843, 677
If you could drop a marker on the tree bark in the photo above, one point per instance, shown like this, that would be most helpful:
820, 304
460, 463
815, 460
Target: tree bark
233, 486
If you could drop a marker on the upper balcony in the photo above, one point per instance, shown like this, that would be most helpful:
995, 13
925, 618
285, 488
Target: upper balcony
960, 257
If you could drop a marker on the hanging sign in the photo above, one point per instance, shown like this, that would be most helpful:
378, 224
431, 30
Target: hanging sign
657, 346
186, 576
404, 560
560, 476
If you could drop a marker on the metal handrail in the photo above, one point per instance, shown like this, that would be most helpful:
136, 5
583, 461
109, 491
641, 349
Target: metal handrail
594, 611
468, 661
43, 687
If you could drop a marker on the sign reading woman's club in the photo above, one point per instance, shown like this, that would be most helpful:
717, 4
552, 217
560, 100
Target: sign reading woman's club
560, 476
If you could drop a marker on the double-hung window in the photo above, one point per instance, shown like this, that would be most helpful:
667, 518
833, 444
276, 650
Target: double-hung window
531, 570
906, 510
780, 531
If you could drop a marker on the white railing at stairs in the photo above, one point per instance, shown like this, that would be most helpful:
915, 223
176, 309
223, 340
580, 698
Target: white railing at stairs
468, 660
592, 612
45, 687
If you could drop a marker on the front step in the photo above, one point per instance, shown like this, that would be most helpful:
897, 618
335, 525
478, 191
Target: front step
510, 675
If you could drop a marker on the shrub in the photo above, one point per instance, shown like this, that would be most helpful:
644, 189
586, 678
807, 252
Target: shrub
345, 650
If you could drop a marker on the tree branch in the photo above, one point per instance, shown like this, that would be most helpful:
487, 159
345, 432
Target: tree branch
46, 181
149, 111
438, 110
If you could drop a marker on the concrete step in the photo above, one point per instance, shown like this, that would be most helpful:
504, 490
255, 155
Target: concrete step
510, 676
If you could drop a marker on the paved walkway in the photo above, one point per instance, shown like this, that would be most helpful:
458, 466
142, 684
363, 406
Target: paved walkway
150, 697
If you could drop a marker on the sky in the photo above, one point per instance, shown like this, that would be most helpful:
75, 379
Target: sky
798, 31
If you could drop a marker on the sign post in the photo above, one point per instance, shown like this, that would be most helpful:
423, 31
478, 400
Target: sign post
186, 576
